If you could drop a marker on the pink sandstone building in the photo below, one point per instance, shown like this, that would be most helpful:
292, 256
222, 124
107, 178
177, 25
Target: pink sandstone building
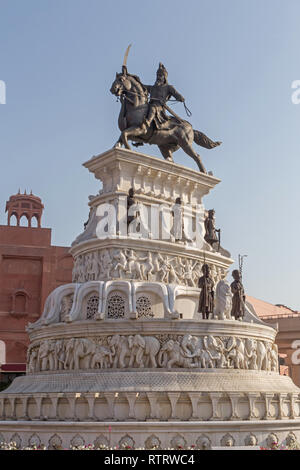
30, 268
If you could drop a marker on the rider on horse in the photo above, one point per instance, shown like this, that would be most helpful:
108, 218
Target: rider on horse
160, 93
143, 122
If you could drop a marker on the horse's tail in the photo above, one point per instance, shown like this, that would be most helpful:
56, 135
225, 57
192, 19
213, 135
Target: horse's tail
204, 141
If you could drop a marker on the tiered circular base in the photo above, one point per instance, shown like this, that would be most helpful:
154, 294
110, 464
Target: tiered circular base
186, 397
150, 434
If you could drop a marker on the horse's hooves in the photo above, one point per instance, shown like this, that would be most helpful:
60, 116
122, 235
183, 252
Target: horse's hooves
117, 145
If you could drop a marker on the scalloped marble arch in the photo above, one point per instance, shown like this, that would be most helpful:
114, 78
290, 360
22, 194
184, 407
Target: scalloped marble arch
51, 312
131, 289
76, 313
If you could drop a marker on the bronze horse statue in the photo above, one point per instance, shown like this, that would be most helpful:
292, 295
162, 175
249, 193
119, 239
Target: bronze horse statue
176, 132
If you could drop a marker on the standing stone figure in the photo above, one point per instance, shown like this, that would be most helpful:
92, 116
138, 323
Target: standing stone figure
177, 212
239, 298
132, 202
207, 295
211, 236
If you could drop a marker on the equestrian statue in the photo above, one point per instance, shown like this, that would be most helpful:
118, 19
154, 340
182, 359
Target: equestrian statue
143, 117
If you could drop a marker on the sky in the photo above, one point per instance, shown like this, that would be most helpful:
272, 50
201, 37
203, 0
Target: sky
234, 61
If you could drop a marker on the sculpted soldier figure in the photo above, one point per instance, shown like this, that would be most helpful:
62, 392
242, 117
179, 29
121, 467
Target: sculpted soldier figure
130, 202
207, 295
239, 298
210, 230
160, 93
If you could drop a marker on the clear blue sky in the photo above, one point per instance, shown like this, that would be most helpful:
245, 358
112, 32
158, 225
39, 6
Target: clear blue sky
234, 62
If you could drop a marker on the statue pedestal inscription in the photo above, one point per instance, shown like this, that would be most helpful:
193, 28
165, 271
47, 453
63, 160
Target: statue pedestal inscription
122, 355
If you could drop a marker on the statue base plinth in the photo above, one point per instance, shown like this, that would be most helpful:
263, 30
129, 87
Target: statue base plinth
121, 356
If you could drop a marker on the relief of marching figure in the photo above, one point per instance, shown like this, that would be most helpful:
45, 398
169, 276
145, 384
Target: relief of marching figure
120, 263
139, 351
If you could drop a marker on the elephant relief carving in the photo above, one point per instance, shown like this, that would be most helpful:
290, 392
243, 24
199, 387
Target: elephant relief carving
143, 350
236, 353
193, 347
32, 361
274, 365
102, 358
190, 344
165, 351
69, 354
59, 355
217, 351
250, 348
78, 353
262, 360
45, 358
120, 350
171, 354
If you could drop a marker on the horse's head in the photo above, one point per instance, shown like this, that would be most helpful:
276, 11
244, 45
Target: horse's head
121, 85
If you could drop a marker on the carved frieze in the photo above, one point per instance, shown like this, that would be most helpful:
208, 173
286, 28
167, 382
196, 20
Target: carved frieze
117, 263
161, 351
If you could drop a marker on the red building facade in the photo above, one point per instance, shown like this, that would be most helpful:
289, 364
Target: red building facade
30, 268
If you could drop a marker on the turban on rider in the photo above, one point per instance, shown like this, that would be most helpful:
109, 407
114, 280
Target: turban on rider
162, 70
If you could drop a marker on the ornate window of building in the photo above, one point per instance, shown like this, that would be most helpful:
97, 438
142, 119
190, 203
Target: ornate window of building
144, 307
116, 306
92, 307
